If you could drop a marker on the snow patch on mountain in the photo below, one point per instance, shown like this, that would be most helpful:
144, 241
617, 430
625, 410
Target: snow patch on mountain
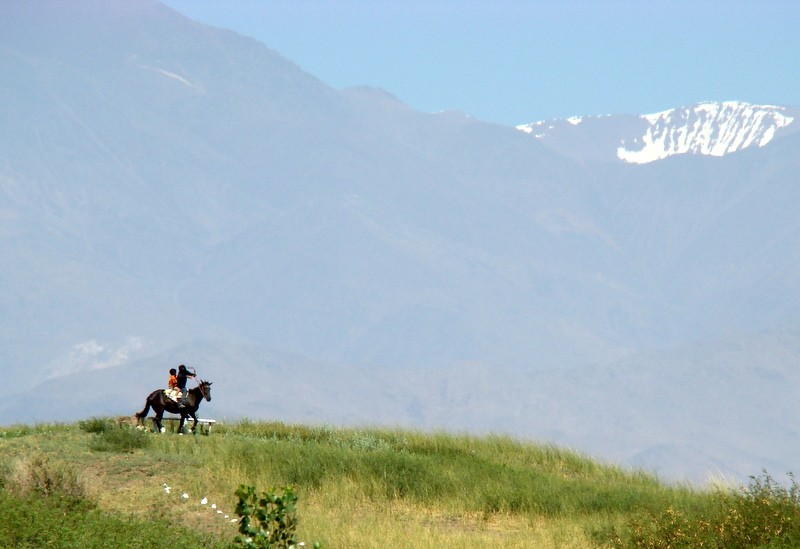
708, 128
537, 129
713, 129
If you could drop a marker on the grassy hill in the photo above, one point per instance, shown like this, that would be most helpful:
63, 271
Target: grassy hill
100, 483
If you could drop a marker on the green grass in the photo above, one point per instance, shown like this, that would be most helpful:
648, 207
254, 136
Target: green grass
465, 474
52, 521
357, 488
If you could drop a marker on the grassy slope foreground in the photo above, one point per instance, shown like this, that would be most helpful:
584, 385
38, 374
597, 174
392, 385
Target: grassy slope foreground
99, 484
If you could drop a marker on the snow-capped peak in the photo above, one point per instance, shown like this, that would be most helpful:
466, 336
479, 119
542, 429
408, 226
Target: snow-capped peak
706, 128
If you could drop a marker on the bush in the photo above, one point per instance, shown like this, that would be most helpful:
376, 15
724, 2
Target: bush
268, 521
764, 514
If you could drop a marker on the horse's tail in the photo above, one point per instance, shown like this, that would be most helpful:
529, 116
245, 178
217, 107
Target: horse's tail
144, 412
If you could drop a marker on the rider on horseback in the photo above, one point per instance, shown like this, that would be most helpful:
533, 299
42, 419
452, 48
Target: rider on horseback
183, 374
172, 385
160, 403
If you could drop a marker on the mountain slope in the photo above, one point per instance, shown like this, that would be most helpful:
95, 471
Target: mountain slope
157, 177
186, 195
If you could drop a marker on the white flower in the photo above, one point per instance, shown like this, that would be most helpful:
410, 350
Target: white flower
184, 496
203, 501
226, 516
234, 520
213, 505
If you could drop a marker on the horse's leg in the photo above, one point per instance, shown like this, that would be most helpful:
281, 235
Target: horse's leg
194, 425
180, 426
157, 420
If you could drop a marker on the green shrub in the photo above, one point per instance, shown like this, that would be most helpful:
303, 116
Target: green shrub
763, 515
268, 521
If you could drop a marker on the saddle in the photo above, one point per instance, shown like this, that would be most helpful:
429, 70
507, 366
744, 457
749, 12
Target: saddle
173, 394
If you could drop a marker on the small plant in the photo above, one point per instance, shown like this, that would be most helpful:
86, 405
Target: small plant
268, 521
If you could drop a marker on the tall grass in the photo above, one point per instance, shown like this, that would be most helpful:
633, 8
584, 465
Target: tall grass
38, 474
490, 475
370, 488
440, 486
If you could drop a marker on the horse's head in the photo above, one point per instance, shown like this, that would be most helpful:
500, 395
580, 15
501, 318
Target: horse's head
205, 389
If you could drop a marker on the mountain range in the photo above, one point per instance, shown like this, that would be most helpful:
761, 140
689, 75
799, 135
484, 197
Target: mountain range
174, 193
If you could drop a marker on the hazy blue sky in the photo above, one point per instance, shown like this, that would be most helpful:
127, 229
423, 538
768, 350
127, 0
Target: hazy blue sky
517, 61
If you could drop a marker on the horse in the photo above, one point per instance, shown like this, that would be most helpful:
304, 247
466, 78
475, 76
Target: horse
162, 403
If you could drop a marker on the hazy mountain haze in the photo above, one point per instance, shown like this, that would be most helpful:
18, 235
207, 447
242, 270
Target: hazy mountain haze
174, 193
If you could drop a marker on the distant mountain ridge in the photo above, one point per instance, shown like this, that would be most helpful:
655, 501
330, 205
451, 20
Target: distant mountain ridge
172, 193
707, 128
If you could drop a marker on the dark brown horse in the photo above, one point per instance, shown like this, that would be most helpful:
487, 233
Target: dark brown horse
162, 403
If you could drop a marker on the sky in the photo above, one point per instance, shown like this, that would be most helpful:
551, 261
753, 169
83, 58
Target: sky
518, 61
